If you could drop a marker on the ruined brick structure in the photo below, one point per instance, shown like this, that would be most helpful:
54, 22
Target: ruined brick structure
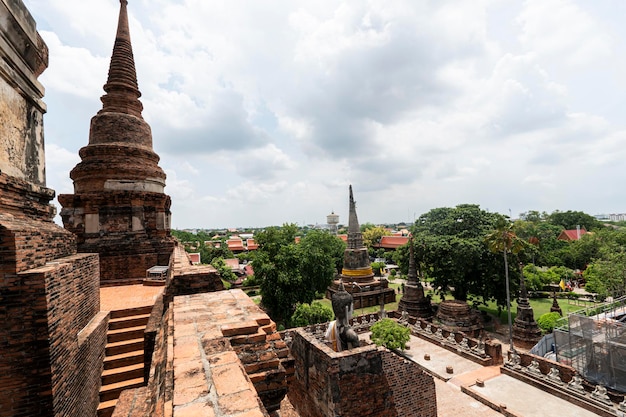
413, 300
118, 208
357, 274
215, 354
363, 382
52, 333
526, 331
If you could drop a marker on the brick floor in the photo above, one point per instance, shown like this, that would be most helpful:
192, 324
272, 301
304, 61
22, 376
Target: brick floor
128, 296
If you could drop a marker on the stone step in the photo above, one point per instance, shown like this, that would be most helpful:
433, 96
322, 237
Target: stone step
106, 408
128, 333
130, 312
123, 359
128, 321
112, 391
124, 346
125, 373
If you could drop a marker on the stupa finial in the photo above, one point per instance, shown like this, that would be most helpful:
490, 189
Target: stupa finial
355, 238
122, 92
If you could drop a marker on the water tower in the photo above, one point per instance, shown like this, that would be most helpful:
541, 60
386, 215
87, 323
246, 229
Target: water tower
333, 220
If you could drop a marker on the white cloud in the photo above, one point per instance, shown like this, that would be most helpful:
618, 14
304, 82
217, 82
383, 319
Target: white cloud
263, 113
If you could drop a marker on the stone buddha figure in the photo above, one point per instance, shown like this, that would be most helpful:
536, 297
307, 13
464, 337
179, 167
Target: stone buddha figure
339, 332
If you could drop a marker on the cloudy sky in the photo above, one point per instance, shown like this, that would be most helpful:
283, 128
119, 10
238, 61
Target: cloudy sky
264, 111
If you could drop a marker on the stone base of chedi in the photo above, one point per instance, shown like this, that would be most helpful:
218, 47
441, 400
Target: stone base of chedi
365, 294
457, 316
415, 303
129, 229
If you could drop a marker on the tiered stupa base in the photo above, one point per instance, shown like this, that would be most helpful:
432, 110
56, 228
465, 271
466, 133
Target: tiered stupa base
415, 303
129, 229
457, 316
366, 290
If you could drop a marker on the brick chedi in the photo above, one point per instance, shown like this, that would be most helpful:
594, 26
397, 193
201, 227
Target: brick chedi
357, 274
52, 333
119, 208
413, 300
526, 331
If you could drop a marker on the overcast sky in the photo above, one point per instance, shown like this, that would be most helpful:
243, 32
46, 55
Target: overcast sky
263, 112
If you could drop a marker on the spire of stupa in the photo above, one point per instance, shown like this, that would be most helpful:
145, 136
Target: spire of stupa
412, 275
355, 238
122, 92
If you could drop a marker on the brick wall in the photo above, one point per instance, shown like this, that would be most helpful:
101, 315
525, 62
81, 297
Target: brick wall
53, 339
355, 382
413, 389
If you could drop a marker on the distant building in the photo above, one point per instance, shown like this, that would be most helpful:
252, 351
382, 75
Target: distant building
333, 220
617, 217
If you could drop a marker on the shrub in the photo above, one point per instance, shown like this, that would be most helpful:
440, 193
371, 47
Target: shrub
547, 321
314, 313
249, 282
390, 334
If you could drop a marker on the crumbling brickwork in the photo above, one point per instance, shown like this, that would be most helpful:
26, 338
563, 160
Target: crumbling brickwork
356, 382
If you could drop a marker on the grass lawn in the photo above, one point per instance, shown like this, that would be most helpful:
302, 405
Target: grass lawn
540, 306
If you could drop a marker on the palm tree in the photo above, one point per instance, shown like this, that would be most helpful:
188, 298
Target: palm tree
503, 239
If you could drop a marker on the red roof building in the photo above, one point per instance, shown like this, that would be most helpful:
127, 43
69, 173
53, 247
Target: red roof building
571, 235
392, 242
235, 245
251, 244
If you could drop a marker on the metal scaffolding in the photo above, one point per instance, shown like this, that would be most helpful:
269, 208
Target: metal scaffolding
593, 341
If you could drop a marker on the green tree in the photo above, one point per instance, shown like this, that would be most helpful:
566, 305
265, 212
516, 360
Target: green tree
290, 273
389, 333
226, 273
451, 249
372, 236
571, 219
313, 313
503, 239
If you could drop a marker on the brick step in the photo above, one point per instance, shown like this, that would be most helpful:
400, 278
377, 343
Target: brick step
113, 391
128, 321
123, 359
124, 346
130, 312
106, 408
128, 333
125, 373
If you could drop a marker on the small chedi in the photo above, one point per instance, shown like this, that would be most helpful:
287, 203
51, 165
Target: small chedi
526, 331
357, 271
413, 300
339, 332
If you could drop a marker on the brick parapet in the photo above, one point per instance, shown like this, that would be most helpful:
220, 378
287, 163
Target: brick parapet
209, 370
557, 379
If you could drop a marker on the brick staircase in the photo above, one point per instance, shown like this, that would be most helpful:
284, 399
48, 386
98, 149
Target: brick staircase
123, 362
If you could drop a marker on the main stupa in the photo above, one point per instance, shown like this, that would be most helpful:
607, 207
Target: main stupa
119, 208
357, 275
